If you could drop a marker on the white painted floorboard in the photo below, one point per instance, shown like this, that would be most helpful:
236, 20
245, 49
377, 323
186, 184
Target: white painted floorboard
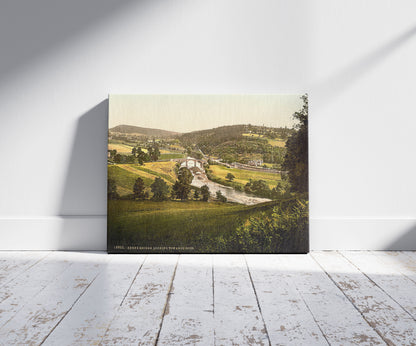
238, 320
398, 287
336, 298
189, 315
89, 319
385, 315
43, 312
12, 264
15, 294
338, 319
139, 318
287, 317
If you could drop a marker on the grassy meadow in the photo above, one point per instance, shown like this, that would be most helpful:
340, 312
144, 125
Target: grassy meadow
171, 155
276, 142
125, 149
125, 175
199, 226
273, 142
243, 176
121, 148
136, 226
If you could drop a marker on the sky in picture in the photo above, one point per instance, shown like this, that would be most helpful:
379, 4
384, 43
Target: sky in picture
185, 113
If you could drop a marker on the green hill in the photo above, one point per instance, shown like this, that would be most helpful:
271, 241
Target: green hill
240, 143
144, 131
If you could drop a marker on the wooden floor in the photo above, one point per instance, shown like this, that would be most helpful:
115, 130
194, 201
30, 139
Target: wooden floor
339, 298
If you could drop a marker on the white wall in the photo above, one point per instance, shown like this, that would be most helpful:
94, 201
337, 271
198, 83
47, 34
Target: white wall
60, 59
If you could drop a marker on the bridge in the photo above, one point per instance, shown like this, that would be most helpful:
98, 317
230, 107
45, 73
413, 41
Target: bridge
190, 162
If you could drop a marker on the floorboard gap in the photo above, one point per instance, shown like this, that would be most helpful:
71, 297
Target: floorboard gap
167, 301
67, 312
373, 282
352, 303
257, 300
134, 279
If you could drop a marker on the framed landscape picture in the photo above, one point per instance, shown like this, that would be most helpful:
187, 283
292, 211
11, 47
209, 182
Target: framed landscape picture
208, 174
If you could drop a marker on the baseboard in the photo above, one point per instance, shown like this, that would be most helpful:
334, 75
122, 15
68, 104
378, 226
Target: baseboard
363, 234
54, 233
90, 233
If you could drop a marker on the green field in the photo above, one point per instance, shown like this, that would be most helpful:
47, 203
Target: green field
253, 135
174, 223
243, 176
125, 175
125, 179
276, 142
125, 149
121, 148
201, 227
273, 142
165, 170
168, 156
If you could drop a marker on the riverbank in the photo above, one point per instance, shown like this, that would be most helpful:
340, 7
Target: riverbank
232, 195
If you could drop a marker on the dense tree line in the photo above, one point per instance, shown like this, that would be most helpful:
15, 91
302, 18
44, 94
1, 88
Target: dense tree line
208, 138
296, 158
230, 145
270, 132
138, 155
151, 154
261, 189
160, 190
285, 230
243, 149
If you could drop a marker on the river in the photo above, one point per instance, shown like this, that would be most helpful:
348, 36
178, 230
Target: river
232, 195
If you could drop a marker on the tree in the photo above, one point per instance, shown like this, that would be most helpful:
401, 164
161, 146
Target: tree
112, 189
205, 193
176, 190
185, 176
118, 158
141, 156
221, 197
153, 152
138, 189
160, 189
296, 159
112, 153
129, 159
182, 186
229, 177
196, 195
173, 192
258, 188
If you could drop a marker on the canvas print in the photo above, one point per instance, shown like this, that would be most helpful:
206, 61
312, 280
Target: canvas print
208, 174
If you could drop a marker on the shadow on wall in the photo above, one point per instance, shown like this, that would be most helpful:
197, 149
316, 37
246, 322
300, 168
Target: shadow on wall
407, 242
339, 82
25, 27
326, 91
84, 199
84, 191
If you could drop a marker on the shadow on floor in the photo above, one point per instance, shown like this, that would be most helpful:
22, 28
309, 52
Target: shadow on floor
406, 242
